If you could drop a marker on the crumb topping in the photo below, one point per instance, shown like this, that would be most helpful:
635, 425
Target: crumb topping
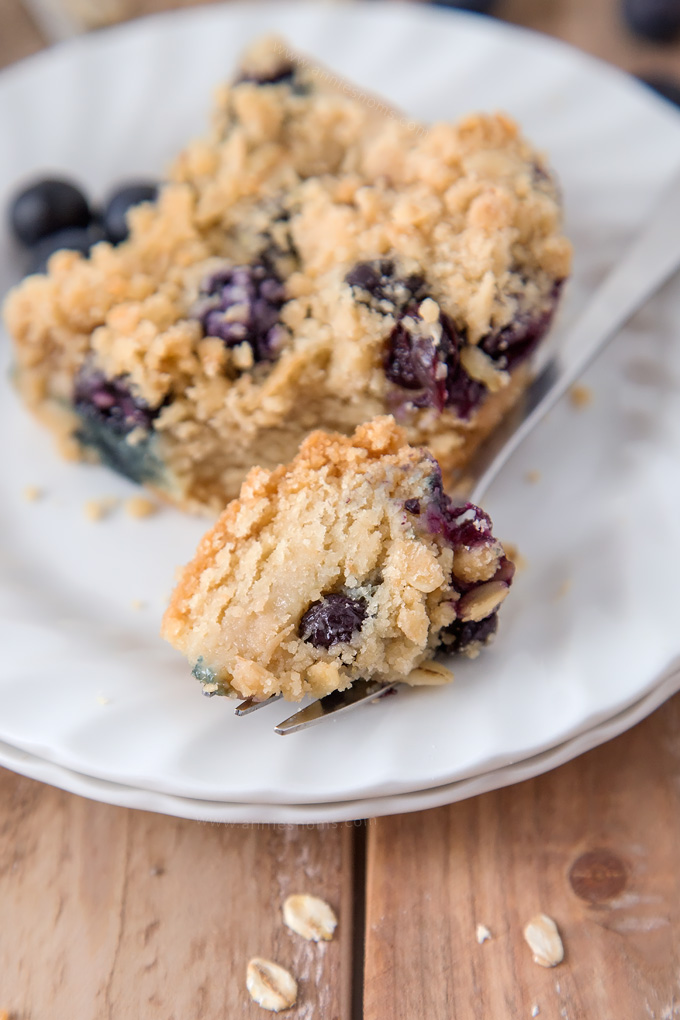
355, 265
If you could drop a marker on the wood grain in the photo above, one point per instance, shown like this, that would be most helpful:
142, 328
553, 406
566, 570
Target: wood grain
19, 36
597, 27
501, 858
108, 913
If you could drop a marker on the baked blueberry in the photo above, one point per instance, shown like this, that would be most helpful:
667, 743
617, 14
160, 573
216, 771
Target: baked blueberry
111, 402
242, 304
120, 202
458, 523
45, 207
425, 358
517, 341
461, 635
376, 284
109, 412
283, 74
332, 620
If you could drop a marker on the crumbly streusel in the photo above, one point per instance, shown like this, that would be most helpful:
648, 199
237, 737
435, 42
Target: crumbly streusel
310, 263
348, 562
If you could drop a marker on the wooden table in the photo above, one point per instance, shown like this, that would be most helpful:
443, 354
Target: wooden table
116, 914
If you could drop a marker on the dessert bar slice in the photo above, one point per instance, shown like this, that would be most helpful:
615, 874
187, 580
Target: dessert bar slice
348, 562
316, 260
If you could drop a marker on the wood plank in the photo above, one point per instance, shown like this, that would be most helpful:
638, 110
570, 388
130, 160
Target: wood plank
19, 36
597, 27
109, 913
503, 857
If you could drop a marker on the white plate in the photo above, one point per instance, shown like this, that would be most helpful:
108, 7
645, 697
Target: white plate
592, 625
337, 811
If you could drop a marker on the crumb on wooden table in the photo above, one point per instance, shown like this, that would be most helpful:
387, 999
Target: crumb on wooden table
32, 493
483, 933
97, 509
535, 1009
543, 938
532, 476
140, 507
580, 396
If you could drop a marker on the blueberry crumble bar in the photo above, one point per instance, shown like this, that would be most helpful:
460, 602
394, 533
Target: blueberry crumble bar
314, 261
351, 561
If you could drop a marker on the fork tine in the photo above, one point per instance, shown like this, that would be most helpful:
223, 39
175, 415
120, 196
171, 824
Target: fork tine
252, 704
361, 692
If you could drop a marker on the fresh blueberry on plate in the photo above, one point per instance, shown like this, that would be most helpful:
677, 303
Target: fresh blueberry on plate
79, 239
45, 207
657, 20
118, 204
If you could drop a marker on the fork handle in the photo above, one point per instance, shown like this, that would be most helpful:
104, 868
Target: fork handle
652, 258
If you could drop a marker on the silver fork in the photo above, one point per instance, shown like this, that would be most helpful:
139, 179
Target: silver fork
650, 261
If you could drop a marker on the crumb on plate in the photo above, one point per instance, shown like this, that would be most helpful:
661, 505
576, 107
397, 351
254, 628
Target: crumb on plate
32, 493
532, 477
515, 556
139, 507
580, 396
97, 509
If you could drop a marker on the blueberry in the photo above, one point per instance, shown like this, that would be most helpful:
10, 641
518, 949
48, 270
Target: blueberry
108, 412
415, 362
332, 620
73, 238
460, 524
413, 506
669, 88
111, 402
478, 6
418, 360
520, 338
46, 207
285, 73
243, 304
657, 20
459, 635
376, 285
118, 204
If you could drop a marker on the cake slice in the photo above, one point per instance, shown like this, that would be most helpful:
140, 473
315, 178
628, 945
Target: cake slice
349, 562
315, 261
